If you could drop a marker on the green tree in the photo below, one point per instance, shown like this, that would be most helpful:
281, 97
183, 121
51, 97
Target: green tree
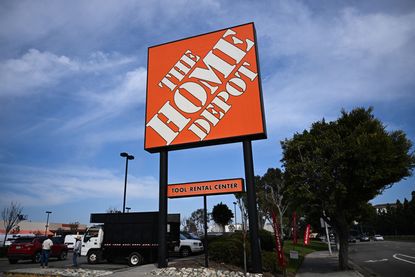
337, 167
222, 215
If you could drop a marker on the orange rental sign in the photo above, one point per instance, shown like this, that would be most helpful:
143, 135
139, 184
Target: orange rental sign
204, 90
205, 188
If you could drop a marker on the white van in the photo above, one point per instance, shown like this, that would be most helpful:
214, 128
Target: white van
70, 240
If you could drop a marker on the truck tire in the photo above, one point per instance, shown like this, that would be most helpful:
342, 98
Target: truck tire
135, 259
185, 251
94, 256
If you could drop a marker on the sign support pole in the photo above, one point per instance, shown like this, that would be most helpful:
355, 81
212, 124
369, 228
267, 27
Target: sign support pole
252, 209
162, 234
206, 228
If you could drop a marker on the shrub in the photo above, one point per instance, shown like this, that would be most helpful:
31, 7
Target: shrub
269, 262
227, 249
267, 240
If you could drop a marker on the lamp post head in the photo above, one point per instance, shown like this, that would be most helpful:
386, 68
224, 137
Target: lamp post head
234, 203
48, 212
126, 155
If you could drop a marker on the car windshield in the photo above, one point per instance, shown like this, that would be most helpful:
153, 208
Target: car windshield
23, 240
194, 237
184, 235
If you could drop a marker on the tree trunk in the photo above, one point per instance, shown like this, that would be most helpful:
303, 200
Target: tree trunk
343, 236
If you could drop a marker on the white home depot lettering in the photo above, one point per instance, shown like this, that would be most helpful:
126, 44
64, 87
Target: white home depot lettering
200, 89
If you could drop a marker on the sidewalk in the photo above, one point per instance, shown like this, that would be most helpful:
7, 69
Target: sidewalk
321, 263
139, 271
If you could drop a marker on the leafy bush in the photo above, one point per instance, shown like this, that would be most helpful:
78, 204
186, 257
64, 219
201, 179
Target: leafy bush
228, 249
269, 262
267, 240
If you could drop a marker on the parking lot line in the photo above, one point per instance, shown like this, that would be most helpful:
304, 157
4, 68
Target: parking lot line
406, 256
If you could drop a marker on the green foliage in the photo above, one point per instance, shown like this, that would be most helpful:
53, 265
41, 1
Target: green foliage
267, 240
339, 166
228, 249
221, 214
269, 262
397, 220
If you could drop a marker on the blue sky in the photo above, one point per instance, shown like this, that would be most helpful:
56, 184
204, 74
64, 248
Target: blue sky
73, 82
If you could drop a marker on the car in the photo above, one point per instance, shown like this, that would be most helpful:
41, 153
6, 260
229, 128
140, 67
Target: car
364, 238
29, 248
352, 239
378, 237
189, 244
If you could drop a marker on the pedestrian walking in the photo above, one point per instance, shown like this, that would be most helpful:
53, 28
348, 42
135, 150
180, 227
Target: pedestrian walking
76, 251
46, 246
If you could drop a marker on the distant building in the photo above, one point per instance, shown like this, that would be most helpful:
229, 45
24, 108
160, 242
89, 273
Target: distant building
382, 208
38, 228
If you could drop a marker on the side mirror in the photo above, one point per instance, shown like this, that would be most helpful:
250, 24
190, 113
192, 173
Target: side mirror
86, 238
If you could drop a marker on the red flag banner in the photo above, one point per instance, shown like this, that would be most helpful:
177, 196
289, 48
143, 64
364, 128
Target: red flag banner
307, 235
294, 228
278, 242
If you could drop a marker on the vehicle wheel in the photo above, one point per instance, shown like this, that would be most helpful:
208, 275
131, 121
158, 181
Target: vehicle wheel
185, 252
13, 261
63, 255
36, 258
135, 259
94, 257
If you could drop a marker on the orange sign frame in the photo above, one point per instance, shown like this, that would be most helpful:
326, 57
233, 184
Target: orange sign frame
205, 188
204, 90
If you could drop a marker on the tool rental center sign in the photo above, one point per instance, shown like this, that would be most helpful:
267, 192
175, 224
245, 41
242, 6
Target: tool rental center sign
204, 90
205, 188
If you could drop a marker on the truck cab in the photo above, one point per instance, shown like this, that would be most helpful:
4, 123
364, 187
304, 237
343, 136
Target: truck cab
92, 243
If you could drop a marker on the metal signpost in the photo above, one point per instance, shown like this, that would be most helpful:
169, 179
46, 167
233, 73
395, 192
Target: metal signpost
205, 90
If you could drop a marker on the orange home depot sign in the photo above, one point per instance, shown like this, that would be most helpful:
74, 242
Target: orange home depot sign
204, 90
205, 188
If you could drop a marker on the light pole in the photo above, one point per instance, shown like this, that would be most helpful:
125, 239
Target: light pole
234, 207
47, 222
128, 209
127, 157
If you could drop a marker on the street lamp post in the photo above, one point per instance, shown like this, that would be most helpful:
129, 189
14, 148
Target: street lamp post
128, 209
234, 207
47, 222
127, 157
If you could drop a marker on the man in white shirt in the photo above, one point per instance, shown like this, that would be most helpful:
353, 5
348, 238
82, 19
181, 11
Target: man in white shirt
46, 246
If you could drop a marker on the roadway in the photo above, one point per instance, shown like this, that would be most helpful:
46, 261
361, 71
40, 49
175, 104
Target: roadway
384, 258
55, 263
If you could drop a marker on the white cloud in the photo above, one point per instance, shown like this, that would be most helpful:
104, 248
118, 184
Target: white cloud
36, 69
324, 63
128, 92
36, 186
